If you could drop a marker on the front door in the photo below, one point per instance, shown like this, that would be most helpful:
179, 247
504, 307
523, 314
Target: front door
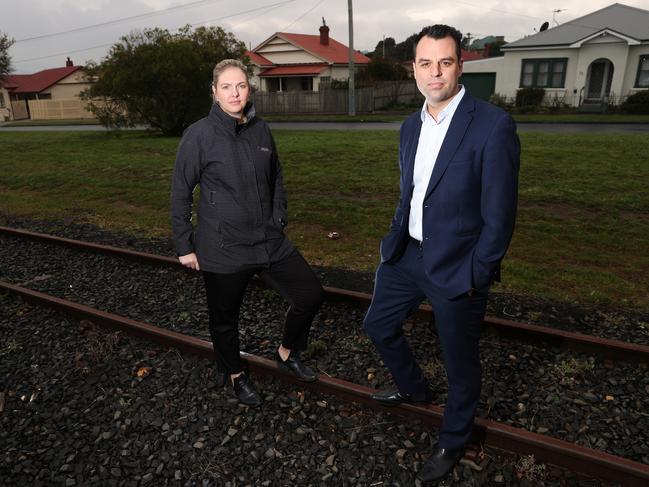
600, 75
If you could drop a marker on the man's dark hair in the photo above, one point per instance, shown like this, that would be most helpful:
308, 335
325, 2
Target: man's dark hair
439, 31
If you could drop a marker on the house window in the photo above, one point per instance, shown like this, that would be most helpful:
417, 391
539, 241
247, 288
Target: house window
272, 85
642, 79
543, 73
276, 84
2, 100
306, 83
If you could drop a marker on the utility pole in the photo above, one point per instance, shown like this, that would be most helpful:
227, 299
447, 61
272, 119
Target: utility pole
352, 98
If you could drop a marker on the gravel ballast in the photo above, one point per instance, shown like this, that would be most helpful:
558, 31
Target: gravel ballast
567, 395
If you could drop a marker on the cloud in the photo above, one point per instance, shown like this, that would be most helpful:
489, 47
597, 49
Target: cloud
372, 20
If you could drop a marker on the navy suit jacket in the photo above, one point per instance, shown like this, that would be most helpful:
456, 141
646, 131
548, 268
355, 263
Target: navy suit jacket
470, 204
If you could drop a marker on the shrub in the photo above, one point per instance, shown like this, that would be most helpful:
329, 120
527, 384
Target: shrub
500, 101
529, 96
637, 103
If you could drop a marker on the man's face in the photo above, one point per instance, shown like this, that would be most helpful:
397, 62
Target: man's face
437, 70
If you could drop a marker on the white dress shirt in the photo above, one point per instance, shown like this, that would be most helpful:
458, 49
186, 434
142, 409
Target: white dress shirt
430, 141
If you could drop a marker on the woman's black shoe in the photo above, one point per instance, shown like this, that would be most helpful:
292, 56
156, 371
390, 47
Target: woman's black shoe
245, 391
294, 365
221, 378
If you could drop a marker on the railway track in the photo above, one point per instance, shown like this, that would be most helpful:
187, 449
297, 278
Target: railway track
569, 456
578, 342
546, 449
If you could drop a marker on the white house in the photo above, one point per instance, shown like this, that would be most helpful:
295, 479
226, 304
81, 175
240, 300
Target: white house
600, 57
300, 62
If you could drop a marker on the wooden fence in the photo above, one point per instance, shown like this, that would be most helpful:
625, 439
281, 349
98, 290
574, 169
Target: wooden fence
336, 101
327, 100
19, 109
65, 108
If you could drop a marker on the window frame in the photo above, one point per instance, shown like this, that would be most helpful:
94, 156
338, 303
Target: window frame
550, 72
641, 58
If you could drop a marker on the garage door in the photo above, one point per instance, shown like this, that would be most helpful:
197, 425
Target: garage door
480, 85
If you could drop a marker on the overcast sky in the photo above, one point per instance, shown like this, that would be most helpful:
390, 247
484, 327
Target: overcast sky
47, 31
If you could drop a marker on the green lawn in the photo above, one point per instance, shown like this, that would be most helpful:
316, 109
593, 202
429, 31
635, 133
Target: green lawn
582, 233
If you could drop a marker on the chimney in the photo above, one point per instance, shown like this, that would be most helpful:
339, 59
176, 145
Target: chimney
324, 33
69, 63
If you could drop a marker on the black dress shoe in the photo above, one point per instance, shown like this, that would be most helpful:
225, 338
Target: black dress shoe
294, 365
245, 391
439, 464
392, 397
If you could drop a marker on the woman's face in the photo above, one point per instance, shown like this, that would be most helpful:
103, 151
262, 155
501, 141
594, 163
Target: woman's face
231, 91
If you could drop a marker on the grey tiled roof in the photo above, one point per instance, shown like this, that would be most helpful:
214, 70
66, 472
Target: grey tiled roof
630, 21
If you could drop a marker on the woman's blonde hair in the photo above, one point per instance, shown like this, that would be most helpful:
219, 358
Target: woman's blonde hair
225, 64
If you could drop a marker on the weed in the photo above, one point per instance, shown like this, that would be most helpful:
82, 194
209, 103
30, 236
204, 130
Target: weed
434, 368
11, 346
568, 371
314, 348
612, 319
206, 467
527, 469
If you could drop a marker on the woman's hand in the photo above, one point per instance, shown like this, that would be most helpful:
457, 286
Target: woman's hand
190, 261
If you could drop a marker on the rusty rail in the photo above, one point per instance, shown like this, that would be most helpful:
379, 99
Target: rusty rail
573, 457
603, 347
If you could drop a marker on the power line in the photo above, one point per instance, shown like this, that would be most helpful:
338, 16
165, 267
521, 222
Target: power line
497, 10
245, 21
576, 24
317, 4
66, 53
118, 21
274, 5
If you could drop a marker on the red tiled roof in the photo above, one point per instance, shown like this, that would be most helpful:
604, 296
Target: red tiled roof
471, 55
294, 70
335, 52
258, 59
37, 82
13, 80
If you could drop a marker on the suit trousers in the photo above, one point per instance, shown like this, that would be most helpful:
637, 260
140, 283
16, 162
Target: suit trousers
399, 289
291, 277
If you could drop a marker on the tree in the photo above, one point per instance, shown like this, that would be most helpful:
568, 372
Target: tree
379, 69
384, 49
492, 49
5, 58
404, 51
158, 78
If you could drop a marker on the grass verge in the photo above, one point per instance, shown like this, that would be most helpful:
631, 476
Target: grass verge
581, 236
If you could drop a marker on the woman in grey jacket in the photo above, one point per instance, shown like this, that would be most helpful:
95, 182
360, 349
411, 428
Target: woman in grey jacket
231, 156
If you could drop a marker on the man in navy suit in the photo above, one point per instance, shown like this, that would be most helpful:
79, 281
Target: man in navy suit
459, 159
